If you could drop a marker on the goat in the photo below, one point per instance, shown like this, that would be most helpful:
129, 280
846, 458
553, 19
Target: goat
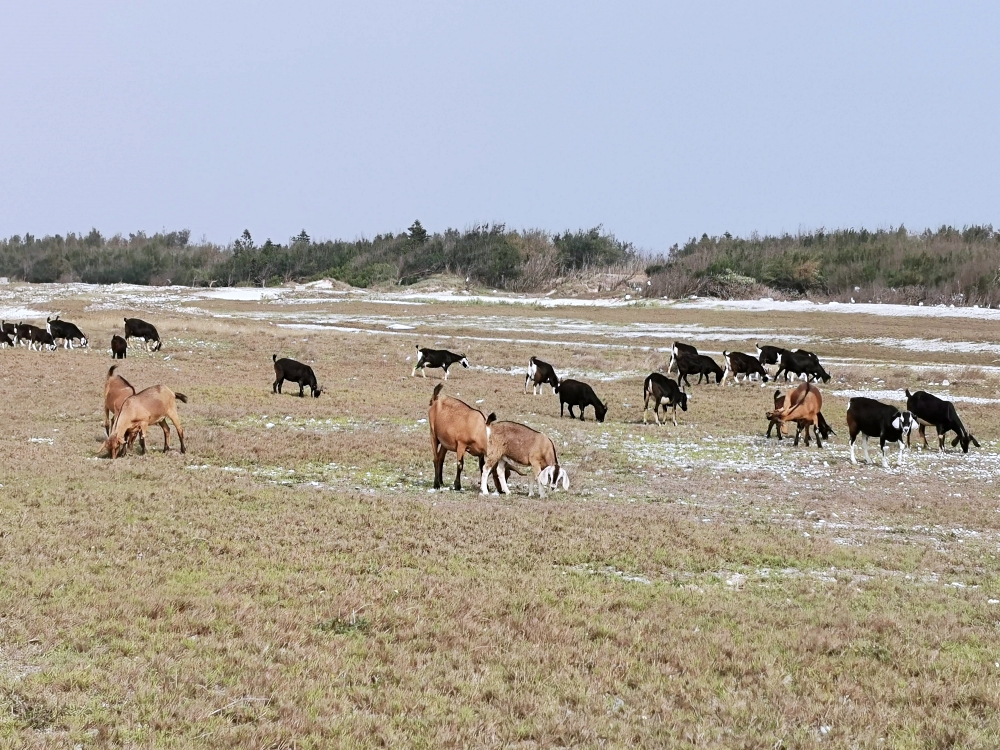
8, 333
769, 355
5, 340
116, 390
929, 410
574, 393
738, 364
697, 364
41, 337
803, 406
664, 392
296, 372
437, 358
780, 400
871, 418
140, 329
24, 332
801, 363
456, 426
60, 329
676, 352
119, 347
511, 443
540, 373
154, 405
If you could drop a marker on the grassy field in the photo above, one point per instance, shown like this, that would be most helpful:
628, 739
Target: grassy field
294, 581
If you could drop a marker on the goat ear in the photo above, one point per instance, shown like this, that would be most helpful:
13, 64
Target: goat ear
491, 418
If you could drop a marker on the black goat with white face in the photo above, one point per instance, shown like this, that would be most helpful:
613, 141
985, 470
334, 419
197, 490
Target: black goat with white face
931, 411
61, 329
437, 358
870, 418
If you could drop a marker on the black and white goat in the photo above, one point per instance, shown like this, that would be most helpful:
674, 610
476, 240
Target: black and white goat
9, 330
676, 352
870, 418
437, 358
574, 393
800, 362
697, 364
140, 329
769, 355
61, 329
662, 391
296, 372
540, 373
931, 411
740, 364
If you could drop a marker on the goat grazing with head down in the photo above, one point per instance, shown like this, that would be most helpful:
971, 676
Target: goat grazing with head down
803, 406
154, 405
456, 426
511, 443
116, 390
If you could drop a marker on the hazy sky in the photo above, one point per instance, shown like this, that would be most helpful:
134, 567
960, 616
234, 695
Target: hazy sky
659, 120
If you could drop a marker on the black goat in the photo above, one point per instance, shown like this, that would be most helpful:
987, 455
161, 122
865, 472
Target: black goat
697, 364
871, 418
437, 358
663, 391
769, 355
800, 362
119, 347
738, 364
296, 372
540, 373
931, 411
60, 329
140, 329
677, 351
574, 393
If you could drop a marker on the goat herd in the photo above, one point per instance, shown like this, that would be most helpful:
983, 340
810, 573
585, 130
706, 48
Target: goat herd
456, 426
503, 447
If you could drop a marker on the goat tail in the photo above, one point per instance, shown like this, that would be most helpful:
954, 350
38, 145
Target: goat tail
491, 418
112, 369
437, 392
274, 357
181, 397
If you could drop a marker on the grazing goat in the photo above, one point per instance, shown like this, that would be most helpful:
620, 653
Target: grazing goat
540, 373
769, 355
803, 406
140, 329
40, 337
5, 340
437, 358
802, 363
676, 352
779, 403
456, 426
154, 405
931, 411
60, 329
296, 372
697, 364
116, 390
664, 392
119, 347
8, 333
510, 443
739, 364
574, 393
871, 418
24, 332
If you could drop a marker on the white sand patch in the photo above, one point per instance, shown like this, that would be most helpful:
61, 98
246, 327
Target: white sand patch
866, 308
243, 294
930, 345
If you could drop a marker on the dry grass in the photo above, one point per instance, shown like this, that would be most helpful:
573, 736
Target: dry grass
299, 586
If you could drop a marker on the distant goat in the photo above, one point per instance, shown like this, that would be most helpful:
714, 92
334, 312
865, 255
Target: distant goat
437, 358
8, 333
870, 418
931, 411
740, 364
39, 337
61, 329
5, 340
296, 372
676, 351
116, 390
574, 393
540, 373
769, 355
456, 426
510, 443
697, 364
662, 391
140, 329
800, 362
119, 347
154, 405
23, 332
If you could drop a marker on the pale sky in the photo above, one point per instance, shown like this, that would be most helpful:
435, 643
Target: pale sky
659, 120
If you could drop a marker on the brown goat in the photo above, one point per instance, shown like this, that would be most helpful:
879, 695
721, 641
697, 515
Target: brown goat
802, 406
154, 405
456, 426
116, 390
779, 404
512, 443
